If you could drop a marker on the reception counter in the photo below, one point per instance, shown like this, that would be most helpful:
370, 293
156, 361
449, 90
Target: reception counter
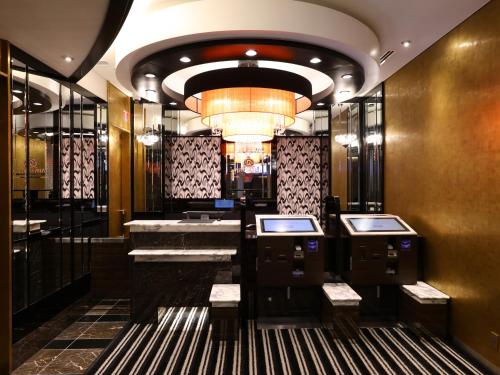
175, 263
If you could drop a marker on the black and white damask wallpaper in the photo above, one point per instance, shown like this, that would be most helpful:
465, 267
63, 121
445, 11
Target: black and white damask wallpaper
193, 167
88, 168
299, 175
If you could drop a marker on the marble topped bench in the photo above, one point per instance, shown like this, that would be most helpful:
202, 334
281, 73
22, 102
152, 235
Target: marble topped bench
180, 255
422, 305
340, 309
224, 311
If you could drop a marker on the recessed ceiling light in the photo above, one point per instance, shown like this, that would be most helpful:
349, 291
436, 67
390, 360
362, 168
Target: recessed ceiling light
373, 52
37, 104
149, 75
251, 53
17, 91
406, 43
315, 60
172, 103
320, 104
347, 76
185, 59
149, 91
344, 92
68, 59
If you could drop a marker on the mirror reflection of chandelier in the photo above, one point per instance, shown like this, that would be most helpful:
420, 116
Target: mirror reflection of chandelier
252, 103
347, 140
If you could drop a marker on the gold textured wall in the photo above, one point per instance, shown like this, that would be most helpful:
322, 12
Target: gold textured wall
442, 169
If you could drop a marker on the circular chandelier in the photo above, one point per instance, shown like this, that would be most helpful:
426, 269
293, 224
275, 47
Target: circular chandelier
248, 104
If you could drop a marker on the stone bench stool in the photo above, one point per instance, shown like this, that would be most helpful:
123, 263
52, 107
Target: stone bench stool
340, 309
224, 311
424, 306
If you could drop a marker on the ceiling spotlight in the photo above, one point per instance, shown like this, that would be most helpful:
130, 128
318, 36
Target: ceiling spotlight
315, 60
320, 104
347, 76
17, 91
172, 103
68, 59
251, 53
37, 104
344, 92
185, 59
149, 75
406, 43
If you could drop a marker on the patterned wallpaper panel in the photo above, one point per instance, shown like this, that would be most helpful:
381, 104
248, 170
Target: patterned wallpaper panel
88, 168
193, 167
299, 175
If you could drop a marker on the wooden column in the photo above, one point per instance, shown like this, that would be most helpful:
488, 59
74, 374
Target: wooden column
119, 206
5, 212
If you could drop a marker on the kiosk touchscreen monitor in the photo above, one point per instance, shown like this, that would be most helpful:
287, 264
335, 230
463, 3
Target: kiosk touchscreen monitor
288, 225
376, 224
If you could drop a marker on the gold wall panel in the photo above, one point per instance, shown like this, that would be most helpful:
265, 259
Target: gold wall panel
442, 169
119, 209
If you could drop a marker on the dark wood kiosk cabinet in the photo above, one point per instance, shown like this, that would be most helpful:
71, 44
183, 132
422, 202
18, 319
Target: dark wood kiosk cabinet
290, 264
380, 250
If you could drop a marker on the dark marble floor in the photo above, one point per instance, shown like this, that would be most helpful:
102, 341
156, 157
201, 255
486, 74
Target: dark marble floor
74, 349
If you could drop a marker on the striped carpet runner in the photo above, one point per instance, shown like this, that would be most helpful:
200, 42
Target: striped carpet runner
181, 344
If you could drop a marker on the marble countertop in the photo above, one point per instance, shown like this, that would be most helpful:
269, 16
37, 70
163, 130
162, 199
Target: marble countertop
225, 294
178, 226
424, 293
341, 294
19, 226
181, 255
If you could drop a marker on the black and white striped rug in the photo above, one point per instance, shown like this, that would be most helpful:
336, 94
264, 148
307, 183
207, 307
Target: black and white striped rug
181, 344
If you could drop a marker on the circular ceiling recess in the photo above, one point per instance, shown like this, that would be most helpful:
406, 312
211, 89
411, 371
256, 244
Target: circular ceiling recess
163, 76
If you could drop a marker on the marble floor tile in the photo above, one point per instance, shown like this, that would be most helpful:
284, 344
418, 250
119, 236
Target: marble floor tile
72, 362
102, 330
74, 331
38, 362
97, 311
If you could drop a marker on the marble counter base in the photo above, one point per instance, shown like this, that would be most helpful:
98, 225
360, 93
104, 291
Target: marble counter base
165, 240
179, 255
424, 293
341, 294
219, 226
169, 284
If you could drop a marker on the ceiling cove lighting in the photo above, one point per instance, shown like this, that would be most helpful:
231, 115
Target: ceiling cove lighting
251, 104
185, 59
406, 43
315, 60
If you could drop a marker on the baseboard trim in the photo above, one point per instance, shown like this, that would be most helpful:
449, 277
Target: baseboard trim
478, 357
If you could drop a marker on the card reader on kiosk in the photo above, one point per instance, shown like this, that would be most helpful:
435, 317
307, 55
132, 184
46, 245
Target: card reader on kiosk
290, 262
381, 250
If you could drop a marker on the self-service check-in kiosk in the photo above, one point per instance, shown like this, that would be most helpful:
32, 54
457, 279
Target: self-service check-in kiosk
381, 250
290, 264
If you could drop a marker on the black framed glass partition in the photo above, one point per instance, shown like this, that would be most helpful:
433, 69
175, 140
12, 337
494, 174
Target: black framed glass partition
357, 138
56, 181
